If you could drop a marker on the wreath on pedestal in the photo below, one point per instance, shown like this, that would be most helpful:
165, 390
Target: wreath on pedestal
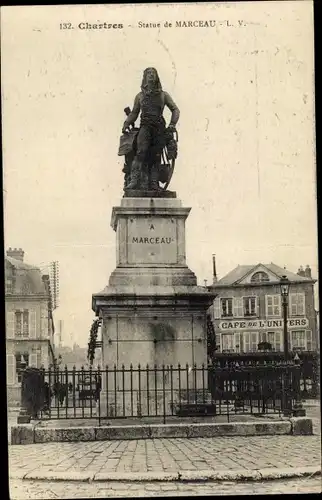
92, 340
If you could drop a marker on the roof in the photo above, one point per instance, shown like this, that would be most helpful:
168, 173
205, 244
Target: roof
236, 275
27, 278
18, 264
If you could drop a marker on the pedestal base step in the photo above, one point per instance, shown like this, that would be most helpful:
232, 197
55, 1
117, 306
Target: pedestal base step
149, 193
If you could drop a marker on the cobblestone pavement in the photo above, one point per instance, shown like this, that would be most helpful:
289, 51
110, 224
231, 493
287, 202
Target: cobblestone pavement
25, 490
167, 454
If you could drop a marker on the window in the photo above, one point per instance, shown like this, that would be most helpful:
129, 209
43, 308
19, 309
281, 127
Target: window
22, 324
250, 306
301, 340
228, 342
250, 341
297, 304
226, 307
259, 277
298, 340
273, 305
274, 338
25, 324
18, 324
20, 359
238, 307
9, 285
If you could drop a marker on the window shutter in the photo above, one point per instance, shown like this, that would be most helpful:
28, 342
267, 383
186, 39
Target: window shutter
246, 342
293, 304
11, 369
269, 305
292, 340
10, 325
238, 307
277, 304
301, 304
217, 308
32, 324
44, 326
308, 334
44, 357
237, 342
33, 360
254, 341
257, 299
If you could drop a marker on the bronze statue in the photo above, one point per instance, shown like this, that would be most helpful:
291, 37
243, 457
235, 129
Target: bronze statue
150, 150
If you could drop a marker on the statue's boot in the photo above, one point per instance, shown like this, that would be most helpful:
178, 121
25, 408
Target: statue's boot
154, 178
135, 176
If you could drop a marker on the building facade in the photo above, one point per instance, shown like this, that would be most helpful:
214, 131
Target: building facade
248, 309
29, 320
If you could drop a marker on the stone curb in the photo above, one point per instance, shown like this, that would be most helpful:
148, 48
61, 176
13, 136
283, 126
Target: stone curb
181, 476
33, 433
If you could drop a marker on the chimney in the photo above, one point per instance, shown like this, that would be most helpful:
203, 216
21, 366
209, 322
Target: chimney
214, 272
16, 253
307, 271
300, 271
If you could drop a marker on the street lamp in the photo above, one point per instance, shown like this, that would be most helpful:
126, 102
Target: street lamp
285, 287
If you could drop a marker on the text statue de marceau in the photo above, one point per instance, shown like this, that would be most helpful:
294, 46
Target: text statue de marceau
150, 150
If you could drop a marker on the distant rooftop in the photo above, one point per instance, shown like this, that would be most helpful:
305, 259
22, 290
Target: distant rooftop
24, 278
237, 274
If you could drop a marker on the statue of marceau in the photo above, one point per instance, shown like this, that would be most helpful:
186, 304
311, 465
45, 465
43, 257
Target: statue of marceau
150, 150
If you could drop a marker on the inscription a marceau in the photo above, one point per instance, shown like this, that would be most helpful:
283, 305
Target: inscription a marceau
152, 240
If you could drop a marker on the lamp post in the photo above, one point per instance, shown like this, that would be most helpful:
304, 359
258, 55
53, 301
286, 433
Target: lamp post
285, 287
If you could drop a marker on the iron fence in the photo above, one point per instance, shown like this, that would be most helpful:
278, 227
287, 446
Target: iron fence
169, 392
309, 366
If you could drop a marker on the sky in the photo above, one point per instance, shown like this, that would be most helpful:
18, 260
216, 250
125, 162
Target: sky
246, 162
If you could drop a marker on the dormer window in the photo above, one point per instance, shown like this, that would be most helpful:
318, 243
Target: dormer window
259, 277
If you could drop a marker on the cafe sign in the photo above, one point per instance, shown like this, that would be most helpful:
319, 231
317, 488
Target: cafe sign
262, 323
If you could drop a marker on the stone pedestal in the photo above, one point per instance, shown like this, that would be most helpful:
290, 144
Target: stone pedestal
153, 312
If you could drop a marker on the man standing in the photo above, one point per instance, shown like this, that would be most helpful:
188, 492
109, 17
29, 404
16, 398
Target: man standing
151, 136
